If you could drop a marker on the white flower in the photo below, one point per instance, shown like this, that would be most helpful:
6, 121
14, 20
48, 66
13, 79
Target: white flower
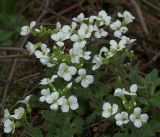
127, 16
91, 19
109, 109
76, 53
59, 38
69, 85
85, 30
99, 33
44, 52
7, 115
121, 118
108, 54
31, 48
79, 18
51, 61
45, 93
97, 60
18, 113
86, 55
43, 55
66, 71
25, 30
118, 28
54, 100
117, 46
79, 40
137, 118
37, 30
58, 26
86, 80
68, 30
133, 89
9, 126
128, 40
47, 81
71, 103
26, 100
103, 18
121, 92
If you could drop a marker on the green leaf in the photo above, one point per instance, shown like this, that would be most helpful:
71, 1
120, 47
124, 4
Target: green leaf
152, 81
155, 125
6, 37
7, 5
144, 131
121, 135
155, 100
33, 132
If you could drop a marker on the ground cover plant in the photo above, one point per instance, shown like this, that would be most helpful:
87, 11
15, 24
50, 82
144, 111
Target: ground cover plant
91, 84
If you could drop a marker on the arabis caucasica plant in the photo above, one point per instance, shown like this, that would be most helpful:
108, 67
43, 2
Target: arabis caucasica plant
85, 61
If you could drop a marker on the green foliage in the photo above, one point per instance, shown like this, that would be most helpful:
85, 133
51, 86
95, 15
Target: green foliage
7, 5
69, 124
11, 27
33, 132
116, 72
66, 125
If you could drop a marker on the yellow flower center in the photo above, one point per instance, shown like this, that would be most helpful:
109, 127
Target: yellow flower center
110, 110
138, 117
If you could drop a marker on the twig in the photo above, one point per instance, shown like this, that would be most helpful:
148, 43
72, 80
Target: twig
43, 12
27, 77
14, 56
153, 60
46, 24
12, 49
151, 5
140, 15
3, 103
53, 12
19, 59
72, 7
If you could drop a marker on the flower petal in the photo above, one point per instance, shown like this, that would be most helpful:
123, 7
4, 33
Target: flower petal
74, 106
119, 122
106, 106
90, 79
106, 114
137, 123
84, 83
72, 70
54, 106
67, 76
137, 111
118, 116
64, 108
133, 88
114, 109
113, 43
144, 118
132, 117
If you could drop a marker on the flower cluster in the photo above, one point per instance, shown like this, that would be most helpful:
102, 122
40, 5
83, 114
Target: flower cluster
67, 52
54, 100
12, 121
123, 117
71, 61
79, 34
